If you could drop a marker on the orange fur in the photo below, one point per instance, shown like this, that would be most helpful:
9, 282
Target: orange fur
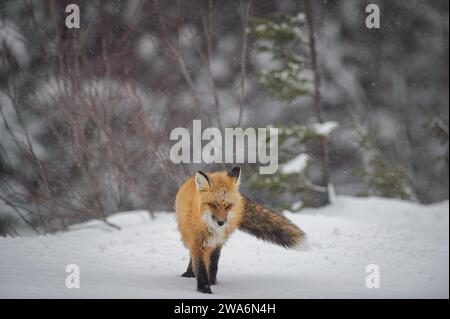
190, 204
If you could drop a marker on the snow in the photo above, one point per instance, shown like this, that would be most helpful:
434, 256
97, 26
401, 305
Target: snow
296, 205
407, 241
295, 165
324, 129
146, 48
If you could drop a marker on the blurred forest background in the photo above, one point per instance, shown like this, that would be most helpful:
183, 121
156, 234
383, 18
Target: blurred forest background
85, 114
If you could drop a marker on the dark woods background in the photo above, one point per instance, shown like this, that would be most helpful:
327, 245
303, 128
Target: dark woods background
85, 114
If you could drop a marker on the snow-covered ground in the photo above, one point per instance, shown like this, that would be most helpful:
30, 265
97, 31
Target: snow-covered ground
408, 242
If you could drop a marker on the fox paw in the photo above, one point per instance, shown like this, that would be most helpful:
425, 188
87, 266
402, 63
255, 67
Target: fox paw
204, 289
212, 282
188, 274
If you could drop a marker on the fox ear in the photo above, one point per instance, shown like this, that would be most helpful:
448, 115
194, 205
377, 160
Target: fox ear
235, 172
201, 181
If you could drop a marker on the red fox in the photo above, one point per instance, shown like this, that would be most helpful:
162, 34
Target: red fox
209, 208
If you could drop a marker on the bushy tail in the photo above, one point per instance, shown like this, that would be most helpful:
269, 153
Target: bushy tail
271, 226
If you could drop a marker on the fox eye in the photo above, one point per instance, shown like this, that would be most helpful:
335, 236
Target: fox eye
228, 207
212, 205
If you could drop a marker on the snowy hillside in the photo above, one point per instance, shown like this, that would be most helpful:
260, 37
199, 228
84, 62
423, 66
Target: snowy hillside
409, 243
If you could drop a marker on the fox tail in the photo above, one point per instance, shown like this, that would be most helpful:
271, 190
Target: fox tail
271, 226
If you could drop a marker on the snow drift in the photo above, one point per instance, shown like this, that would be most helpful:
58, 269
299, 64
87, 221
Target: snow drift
409, 243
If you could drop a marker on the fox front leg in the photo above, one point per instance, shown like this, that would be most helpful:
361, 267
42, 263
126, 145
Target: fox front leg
213, 265
189, 272
201, 273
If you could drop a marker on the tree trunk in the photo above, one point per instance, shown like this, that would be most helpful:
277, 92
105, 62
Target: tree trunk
309, 10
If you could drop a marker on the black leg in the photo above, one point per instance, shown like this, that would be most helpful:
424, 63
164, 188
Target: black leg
189, 272
213, 265
202, 276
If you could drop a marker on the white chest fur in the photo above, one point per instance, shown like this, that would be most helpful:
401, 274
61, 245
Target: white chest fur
217, 236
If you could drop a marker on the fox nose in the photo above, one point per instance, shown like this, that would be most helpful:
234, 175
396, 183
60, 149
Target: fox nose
220, 222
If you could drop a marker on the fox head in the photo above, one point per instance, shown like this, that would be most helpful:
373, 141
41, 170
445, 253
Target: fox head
219, 197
